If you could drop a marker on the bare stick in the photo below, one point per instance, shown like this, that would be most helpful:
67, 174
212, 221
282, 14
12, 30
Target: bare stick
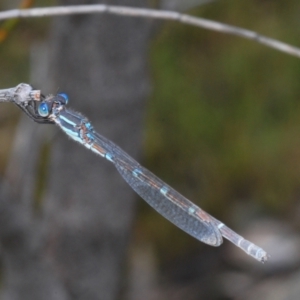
151, 13
6, 95
22, 93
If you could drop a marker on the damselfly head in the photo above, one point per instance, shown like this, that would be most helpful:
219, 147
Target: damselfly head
45, 108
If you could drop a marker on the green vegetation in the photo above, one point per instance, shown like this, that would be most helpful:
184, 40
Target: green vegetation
223, 122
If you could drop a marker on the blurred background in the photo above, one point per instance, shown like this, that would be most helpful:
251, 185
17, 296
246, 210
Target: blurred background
214, 116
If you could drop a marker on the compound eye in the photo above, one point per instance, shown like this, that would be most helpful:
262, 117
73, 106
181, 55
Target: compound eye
43, 109
65, 96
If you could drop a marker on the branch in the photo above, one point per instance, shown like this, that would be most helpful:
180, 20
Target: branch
151, 13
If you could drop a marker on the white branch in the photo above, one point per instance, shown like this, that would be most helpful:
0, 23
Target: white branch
151, 13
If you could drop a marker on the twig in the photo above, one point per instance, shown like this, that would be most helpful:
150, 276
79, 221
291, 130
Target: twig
151, 13
22, 93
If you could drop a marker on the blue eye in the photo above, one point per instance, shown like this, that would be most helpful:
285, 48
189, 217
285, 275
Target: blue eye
43, 110
65, 96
